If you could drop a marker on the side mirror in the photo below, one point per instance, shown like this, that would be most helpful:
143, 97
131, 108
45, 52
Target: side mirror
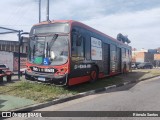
79, 40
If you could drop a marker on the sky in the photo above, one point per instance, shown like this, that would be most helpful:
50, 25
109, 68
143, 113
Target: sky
138, 19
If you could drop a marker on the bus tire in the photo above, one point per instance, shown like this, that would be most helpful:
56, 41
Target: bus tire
93, 74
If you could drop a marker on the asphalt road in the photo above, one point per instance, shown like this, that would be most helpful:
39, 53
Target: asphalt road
142, 96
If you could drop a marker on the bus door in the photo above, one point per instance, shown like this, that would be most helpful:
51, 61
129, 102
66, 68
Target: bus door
113, 59
77, 55
119, 59
106, 59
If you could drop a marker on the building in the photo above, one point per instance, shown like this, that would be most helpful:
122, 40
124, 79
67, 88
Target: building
157, 60
153, 51
138, 56
143, 55
9, 53
13, 46
156, 56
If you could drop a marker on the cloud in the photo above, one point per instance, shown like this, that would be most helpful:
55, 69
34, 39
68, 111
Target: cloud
142, 27
18, 14
82, 9
138, 19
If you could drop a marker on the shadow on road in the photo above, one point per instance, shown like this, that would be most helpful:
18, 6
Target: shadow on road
134, 75
122, 88
2, 101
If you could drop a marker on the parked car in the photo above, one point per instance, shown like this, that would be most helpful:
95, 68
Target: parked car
3, 66
5, 72
145, 65
134, 65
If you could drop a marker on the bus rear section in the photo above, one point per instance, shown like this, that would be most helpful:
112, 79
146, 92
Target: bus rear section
95, 55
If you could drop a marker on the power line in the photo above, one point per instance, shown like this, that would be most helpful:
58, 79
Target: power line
16, 25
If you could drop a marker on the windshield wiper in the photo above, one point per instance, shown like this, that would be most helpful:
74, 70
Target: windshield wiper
53, 40
47, 51
33, 51
50, 45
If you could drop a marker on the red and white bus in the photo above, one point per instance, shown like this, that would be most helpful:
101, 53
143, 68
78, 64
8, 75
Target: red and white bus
67, 52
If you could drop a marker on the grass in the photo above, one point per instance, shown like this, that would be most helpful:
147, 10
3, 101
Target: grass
98, 84
43, 92
34, 91
155, 71
146, 73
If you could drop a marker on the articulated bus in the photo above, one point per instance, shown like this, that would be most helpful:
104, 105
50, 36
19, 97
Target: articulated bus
67, 52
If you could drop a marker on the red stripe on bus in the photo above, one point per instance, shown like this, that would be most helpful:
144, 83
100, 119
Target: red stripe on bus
77, 80
113, 73
101, 75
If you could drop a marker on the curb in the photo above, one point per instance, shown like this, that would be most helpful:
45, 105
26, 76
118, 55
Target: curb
80, 95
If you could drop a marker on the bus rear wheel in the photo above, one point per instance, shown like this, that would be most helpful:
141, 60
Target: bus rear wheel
93, 74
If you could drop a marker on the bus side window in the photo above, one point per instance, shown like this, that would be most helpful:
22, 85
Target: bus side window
87, 44
80, 47
74, 49
77, 46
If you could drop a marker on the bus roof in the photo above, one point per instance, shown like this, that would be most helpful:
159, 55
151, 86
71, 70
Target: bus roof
76, 23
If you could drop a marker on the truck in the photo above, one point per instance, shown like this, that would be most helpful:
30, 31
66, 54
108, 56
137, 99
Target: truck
5, 72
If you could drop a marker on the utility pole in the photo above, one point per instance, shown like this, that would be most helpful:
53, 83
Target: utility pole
47, 11
39, 11
19, 52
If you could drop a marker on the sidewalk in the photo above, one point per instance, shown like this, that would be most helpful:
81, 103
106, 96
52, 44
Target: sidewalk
8, 102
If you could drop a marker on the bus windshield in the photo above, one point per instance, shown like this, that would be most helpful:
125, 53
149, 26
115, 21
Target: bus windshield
48, 50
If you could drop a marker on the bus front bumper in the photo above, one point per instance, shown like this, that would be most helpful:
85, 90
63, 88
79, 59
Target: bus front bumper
46, 77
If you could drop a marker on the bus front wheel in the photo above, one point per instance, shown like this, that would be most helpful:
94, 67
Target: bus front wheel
94, 74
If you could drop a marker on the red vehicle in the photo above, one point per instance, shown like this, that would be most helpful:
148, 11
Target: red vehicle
5, 72
67, 52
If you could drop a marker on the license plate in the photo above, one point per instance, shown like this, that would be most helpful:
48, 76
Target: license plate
41, 79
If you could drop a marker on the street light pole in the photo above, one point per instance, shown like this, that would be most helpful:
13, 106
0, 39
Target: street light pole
20, 37
19, 47
47, 11
39, 11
